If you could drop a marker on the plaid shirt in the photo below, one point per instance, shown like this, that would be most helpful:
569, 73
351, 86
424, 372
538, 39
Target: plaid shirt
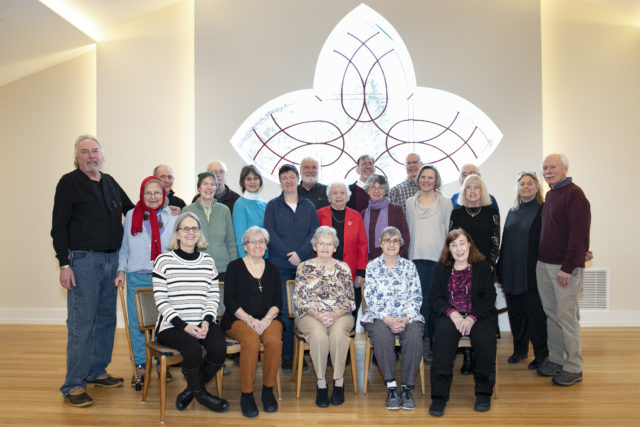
401, 192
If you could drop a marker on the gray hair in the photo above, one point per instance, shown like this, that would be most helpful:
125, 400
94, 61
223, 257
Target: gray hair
254, 230
333, 184
78, 141
223, 164
563, 159
309, 159
377, 179
391, 231
325, 231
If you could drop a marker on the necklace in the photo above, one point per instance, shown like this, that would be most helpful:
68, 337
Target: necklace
473, 213
336, 219
256, 270
259, 284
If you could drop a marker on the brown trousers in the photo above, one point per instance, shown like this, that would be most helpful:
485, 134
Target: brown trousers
250, 350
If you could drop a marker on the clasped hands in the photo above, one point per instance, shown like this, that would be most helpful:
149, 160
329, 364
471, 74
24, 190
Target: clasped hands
198, 332
259, 325
327, 317
462, 324
396, 324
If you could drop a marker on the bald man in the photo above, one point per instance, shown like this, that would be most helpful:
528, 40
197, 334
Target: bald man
466, 170
165, 173
407, 188
224, 194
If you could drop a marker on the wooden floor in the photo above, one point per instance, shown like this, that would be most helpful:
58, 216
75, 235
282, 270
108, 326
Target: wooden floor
32, 366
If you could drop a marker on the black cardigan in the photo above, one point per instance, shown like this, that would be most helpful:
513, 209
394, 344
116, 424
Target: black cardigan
483, 292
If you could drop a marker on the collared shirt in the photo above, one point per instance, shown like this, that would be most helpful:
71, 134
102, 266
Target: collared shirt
401, 192
394, 292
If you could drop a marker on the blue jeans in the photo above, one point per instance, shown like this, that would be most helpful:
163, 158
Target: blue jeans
91, 317
287, 323
425, 271
136, 281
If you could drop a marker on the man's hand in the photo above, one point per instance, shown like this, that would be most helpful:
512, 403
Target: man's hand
294, 259
175, 210
67, 279
563, 278
119, 280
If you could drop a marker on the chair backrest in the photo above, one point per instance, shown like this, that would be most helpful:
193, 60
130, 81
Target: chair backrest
291, 285
221, 306
146, 308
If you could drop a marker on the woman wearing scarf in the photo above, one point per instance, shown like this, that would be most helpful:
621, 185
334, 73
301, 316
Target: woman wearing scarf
380, 214
147, 232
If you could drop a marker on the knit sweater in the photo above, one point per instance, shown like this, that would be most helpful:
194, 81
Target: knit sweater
428, 226
218, 232
566, 220
185, 289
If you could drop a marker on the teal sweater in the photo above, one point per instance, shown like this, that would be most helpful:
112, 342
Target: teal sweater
218, 231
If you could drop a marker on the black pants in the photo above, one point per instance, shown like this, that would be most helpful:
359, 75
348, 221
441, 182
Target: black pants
191, 348
445, 343
528, 322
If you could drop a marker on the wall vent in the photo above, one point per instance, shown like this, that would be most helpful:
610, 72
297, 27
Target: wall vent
595, 293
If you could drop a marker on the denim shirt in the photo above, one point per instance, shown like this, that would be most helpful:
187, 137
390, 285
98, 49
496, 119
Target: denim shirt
135, 252
394, 292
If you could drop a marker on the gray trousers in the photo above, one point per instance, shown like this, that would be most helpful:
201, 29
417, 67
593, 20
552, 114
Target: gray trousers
383, 341
563, 315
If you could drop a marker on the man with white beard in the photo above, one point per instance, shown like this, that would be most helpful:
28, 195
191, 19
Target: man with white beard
309, 187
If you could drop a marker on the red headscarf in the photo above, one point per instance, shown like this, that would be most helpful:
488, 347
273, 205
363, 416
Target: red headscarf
138, 217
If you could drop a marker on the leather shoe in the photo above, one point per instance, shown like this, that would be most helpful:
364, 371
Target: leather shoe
337, 395
78, 400
535, 363
483, 403
437, 407
516, 357
269, 403
248, 405
322, 397
107, 381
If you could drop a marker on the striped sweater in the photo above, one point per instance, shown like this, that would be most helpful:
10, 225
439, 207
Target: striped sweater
185, 290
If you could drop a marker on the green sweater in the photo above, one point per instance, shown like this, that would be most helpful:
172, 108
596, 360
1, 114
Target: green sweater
218, 232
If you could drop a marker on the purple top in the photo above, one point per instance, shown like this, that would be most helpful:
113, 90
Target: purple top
460, 292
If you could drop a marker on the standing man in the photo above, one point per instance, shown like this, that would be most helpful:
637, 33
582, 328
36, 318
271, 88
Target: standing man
359, 199
165, 173
407, 188
564, 241
309, 187
465, 171
224, 194
87, 233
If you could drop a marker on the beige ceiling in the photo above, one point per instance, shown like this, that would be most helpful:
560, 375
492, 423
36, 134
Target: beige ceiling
33, 37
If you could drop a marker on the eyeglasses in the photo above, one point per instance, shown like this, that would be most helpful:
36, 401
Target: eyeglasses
189, 229
325, 244
389, 241
153, 194
378, 188
256, 242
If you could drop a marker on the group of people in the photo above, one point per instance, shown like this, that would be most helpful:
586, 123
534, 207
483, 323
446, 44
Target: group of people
405, 261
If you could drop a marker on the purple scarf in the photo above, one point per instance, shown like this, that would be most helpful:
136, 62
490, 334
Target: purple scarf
381, 205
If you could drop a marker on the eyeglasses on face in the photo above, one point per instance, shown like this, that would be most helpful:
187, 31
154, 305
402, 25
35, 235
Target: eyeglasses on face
256, 242
152, 193
390, 241
189, 229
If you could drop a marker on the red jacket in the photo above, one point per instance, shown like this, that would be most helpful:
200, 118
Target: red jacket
354, 251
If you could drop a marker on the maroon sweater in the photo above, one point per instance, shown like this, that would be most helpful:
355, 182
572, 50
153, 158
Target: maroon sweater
566, 219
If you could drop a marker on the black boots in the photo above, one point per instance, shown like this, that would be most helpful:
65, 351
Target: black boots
207, 371
195, 383
467, 363
269, 403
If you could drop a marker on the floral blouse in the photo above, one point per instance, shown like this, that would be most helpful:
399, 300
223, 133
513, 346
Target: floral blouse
394, 292
323, 288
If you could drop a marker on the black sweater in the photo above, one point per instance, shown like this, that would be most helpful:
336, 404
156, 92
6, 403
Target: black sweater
87, 215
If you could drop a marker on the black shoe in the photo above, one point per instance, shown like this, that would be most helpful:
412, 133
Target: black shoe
437, 407
194, 382
248, 405
269, 403
393, 399
107, 381
337, 395
516, 357
483, 403
535, 363
406, 399
467, 363
286, 366
78, 400
183, 399
322, 397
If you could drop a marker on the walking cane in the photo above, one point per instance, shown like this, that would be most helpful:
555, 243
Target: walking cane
138, 381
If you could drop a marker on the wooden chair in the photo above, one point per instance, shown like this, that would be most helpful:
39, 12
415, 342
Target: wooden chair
367, 358
233, 347
300, 345
147, 317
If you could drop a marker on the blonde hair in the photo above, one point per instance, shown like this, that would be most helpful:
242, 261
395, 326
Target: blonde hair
175, 243
485, 199
539, 196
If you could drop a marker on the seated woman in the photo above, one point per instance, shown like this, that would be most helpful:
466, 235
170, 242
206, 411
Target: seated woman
381, 213
462, 303
253, 298
323, 301
150, 221
349, 227
393, 298
186, 292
